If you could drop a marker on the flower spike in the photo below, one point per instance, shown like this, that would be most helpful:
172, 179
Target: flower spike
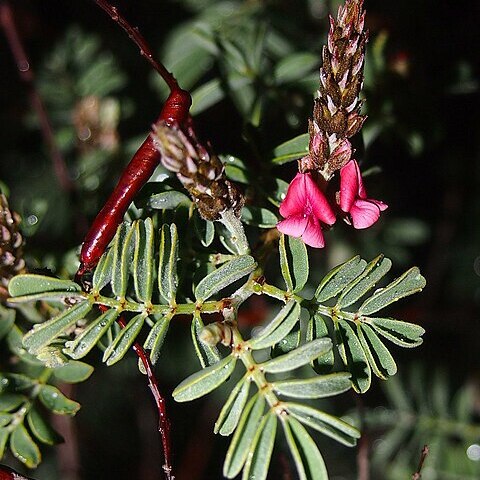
303, 208
352, 198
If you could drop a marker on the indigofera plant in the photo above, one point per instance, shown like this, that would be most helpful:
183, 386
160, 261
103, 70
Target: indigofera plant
188, 253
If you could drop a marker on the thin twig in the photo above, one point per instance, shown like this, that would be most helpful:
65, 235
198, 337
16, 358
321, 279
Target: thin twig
418, 475
141, 43
26, 75
163, 420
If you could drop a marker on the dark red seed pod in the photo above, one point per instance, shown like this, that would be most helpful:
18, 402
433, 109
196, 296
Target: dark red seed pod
135, 175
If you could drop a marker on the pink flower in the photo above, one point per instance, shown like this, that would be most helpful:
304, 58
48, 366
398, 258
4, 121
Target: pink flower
303, 208
363, 211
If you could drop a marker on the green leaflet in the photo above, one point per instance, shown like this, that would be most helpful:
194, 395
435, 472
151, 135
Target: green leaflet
14, 382
316, 387
144, 260
241, 441
30, 284
288, 343
317, 328
73, 372
232, 410
156, 337
79, 347
14, 341
168, 257
353, 356
323, 422
122, 259
24, 448
258, 217
293, 262
4, 434
225, 275
338, 278
41, 429
260, 452
11, 401
206, 95
307, 458
124, 340
379, 358
298, 357
168, 200
401, 333
103, 271
278, 328
295, 67
407, 284
204, 229
53, 399
373, 272
7, 319
207, 354
43, 334
204, 381
291, 150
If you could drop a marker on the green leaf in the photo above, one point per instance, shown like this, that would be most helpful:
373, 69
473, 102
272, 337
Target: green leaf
155, 338
14, 341
11, 401
5, 419
168, 200
288, 343
53, 399
260, 452
43, 334
24, 448
401, 333
41, 429
30, 284
292, 149
353, 357
373, 272
295, 66
204, 229
7, 319
4, 434
379, 358
124, 340
206, 95
104, 271
407, 284
308, 460
277, 196
122, 259
318, 328
73, 372
204, 381
316, 387
258, 217
298, 357
58, 297
168, 258
144, 260
278, 328
245, 432
79, 347
232, 410
339, 277
225, 275
293, 262
324, 423
15, 382
207, 354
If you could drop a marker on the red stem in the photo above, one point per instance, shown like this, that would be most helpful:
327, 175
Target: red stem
138, 39
26, 75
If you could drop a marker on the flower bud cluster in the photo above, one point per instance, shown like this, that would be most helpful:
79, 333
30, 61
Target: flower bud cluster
201, 172
11, 243
336, 114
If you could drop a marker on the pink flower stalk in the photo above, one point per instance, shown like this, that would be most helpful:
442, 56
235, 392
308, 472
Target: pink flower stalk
303, 208
364, 212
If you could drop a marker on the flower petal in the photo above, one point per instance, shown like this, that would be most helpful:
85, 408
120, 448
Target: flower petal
382, 206
294, 225
313, 235
296, 197
364, 213
318, 203
349, 185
